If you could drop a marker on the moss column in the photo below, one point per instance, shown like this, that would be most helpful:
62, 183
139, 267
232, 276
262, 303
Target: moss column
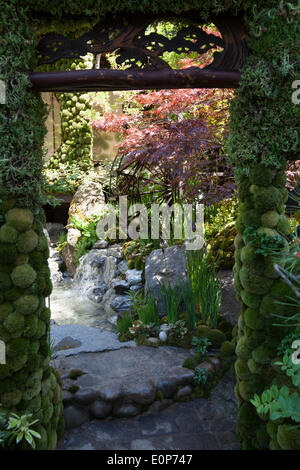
27, 382
262, 196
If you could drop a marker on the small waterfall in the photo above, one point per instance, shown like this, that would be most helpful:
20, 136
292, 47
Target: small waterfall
78, 300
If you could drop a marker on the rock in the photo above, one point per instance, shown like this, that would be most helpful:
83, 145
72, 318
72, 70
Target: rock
164, 327
115, 251
230, 307
184, 391
54, 231
67, 343
123, 267
136, 287
182, 376
67, 397
85, 397
75, 416
109, 269
133, 276
100, 409
67, 252
153, 340
126, 411
163, 336
159, 405
167, 387
98, 261
111, 392
215, 362
121, 303
120, 286
164, 266
100, 244
141, 393
205, 365
88, 200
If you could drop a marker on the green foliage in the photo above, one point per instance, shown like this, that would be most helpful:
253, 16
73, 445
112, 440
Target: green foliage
278, 403
171, 298
148, 313
218, 215
15, 428
190, 302
200, 345
177, 331
88, 237
285, 346
201, 376
264, 244
124, 323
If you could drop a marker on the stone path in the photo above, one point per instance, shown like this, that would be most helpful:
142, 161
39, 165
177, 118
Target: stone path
202, 424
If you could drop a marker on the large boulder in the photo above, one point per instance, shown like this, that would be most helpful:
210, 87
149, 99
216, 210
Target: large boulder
68, 251
87, 201
164, 266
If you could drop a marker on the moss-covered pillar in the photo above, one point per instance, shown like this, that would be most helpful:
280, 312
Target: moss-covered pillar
27, 382
262, 198
75, 151
28, 385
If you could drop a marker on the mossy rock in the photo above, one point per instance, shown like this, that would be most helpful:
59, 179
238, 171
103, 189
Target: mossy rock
270, 306
21, 258
248, 254
17, 363
8, 234
23, 276
27, 241
189, 363
31, 324
27, 304
21, 219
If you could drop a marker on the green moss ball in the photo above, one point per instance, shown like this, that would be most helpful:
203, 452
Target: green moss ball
242, 348
261, 175
251, 300
248, 254
241, 369
27, 241
270, 219
283, 225
253, 281
23, 276
227, 349
14, 323
27, 304
288, 437
8, 234
21, 219
253, 319
266, 199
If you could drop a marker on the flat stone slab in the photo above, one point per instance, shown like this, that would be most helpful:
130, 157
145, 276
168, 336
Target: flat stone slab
202, 424
75, 339
125, 368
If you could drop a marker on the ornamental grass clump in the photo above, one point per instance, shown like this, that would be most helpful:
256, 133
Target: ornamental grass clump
171, 297
206, 286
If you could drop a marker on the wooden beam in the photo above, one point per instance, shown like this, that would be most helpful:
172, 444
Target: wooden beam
110, 80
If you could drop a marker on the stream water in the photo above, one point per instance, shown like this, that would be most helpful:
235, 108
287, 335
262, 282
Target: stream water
69, 302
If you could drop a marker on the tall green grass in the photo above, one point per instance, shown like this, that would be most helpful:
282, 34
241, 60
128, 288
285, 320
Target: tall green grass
171, 298
205, 284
